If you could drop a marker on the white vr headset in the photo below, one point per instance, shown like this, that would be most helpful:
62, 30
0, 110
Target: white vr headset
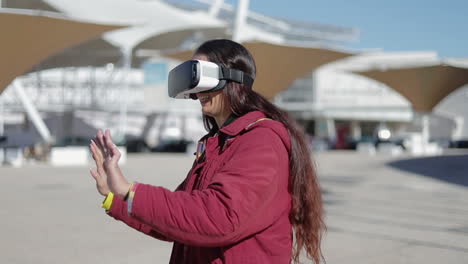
197, 76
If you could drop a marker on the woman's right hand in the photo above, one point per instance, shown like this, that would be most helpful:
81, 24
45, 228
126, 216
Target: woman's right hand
99, 174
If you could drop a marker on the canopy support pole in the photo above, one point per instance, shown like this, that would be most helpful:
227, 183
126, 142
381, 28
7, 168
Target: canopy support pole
215, 7
241, 16
32, 112
356, 131
425, 133
2, 122
127, 64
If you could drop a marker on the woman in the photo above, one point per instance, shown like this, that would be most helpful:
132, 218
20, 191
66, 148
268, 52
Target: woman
252, 183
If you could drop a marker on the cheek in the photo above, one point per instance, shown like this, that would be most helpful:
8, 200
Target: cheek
209, 105
218, 103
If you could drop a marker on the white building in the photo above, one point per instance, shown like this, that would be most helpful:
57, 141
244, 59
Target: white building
330, 102
335, 104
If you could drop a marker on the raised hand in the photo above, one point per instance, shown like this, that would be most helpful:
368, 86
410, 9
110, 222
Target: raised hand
115, 178
99, 173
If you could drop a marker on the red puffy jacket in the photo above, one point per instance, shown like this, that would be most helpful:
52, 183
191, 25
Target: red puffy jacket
234, 205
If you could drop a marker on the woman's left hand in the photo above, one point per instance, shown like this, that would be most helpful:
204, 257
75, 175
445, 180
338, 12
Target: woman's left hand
115, 178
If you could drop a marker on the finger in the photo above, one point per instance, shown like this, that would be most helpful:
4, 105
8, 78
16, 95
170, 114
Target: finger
101, 171
115, 152
92, 146
100, 138
94, 174
108, 140
93, 143
96, 142
94, 152
98, 159
95, 149
104, 147
99, 150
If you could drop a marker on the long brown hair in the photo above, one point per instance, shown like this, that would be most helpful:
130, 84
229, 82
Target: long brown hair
306, 214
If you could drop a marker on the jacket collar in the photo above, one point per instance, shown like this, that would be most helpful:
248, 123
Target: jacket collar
241, 123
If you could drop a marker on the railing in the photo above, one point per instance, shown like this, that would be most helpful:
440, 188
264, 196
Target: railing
78, 88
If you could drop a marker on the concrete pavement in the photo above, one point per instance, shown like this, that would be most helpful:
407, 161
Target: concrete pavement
378, 211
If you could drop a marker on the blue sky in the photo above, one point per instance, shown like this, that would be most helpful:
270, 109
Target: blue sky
391, 25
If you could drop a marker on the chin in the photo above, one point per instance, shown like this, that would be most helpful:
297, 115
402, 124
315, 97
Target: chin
206, 112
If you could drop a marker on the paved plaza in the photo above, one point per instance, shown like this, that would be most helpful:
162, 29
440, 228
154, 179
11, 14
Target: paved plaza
380, 209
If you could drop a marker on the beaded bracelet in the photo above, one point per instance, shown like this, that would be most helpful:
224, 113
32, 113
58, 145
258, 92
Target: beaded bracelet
131, 195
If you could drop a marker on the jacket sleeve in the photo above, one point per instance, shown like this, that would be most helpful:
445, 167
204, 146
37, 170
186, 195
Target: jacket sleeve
118, 211
238, 202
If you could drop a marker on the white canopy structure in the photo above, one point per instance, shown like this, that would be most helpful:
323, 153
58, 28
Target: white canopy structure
157, 25
49, 33
260, 27
154, 25
149, 19
295, 62
424, 86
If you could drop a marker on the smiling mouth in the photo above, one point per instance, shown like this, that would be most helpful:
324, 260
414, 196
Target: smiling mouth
203, 99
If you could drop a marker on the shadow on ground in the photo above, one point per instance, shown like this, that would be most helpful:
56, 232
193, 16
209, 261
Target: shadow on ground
451, 168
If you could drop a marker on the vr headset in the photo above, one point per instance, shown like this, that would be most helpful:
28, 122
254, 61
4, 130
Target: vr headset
197, 76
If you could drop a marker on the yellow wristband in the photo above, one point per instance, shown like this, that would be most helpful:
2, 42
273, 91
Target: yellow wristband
107, 203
